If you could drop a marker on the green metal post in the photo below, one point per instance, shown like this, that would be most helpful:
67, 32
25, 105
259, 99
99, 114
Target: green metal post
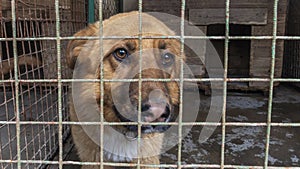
91, 11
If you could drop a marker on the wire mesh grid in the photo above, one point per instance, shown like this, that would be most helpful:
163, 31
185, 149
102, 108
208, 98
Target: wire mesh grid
14, 125
108, 9
32, 60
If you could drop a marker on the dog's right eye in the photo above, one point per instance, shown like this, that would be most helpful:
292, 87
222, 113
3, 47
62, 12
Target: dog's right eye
120, 54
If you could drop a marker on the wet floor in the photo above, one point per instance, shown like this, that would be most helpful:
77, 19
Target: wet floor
244, 145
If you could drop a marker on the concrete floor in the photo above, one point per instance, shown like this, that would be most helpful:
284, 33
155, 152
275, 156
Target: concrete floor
246, 145
243, 145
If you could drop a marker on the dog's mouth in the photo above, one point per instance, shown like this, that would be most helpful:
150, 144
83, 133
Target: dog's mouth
132, 130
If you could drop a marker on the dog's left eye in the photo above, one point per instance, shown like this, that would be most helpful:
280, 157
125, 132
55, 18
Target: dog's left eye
167, 59
120, 54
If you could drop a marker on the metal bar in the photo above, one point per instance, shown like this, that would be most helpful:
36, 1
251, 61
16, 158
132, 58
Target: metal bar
247, 124
225, 82
142, 165
156, 37
15, 54
101, 85
140, 19
156, 80
59, 85
180, 115
269, 118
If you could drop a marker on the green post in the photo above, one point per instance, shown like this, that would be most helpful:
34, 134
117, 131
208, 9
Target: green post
91, 12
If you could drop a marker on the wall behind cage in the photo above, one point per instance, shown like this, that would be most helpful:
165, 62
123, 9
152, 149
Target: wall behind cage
291, 66
247, 58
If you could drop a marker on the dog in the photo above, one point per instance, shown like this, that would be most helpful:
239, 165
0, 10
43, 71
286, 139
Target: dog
8, 64
159, 100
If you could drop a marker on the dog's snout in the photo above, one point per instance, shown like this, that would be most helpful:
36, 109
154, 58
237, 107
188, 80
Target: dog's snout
155, 109
157, 112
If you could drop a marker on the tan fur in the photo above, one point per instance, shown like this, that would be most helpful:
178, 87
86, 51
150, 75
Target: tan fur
87, 149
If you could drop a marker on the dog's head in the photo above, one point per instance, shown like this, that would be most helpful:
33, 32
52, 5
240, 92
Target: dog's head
155, 61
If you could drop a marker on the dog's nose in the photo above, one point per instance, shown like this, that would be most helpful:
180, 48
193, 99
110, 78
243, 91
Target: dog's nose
155, 112
155, 109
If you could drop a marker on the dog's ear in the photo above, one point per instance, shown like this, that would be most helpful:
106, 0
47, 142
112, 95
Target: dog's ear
75, 46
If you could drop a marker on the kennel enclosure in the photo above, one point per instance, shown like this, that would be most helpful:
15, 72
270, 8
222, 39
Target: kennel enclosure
33, 98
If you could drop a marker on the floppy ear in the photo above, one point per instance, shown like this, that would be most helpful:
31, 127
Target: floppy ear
75, 46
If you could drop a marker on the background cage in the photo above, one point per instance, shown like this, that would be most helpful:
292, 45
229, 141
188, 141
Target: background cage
37, 59
33, 97
39, 100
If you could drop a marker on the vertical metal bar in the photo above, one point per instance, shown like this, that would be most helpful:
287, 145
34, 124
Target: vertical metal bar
227, 26
269, 120
181, 83
101, 84
91, 12
59, 85
140, 82
16, 70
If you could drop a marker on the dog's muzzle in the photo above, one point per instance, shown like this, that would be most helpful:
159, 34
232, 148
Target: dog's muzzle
158, 111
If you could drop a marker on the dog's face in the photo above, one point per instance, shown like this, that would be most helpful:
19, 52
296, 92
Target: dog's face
156, 61
159, 99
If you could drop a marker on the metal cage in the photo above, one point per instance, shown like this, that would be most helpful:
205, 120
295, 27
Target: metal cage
34, 79
26, 55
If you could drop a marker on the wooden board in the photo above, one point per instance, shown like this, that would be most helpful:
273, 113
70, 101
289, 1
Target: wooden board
261, 52
222, 3
247, 16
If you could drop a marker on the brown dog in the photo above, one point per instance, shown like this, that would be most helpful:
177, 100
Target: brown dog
159, 99
8, 65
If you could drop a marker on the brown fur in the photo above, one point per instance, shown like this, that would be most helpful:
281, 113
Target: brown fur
87, 149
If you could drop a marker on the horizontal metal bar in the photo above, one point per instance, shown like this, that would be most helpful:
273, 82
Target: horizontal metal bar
111, 80
258, 167
44, 20
249, 124
156, 80
154, 37
286, 80
142, 165
48, 162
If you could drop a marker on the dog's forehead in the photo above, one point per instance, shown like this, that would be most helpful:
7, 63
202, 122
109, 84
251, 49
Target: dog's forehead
128, 25
133, 44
